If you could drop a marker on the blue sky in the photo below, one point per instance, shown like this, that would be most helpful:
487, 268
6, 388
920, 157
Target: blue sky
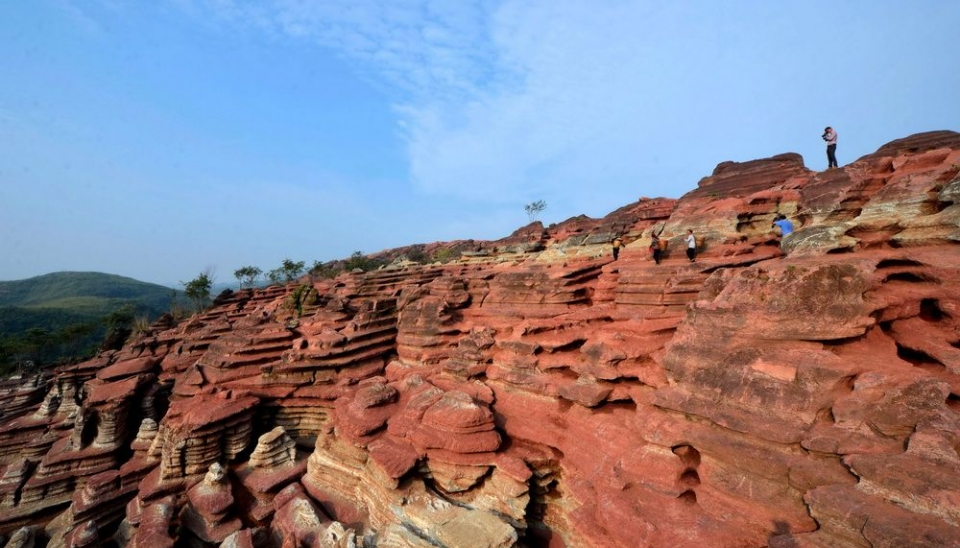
160, 139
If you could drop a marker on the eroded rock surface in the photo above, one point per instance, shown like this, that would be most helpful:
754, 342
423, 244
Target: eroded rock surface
535, 393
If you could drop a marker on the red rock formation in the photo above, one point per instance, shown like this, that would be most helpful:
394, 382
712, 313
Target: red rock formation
208, 515
794, 393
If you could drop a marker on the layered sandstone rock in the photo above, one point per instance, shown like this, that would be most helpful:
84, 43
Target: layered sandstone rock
794, 393
208, 515
274, 464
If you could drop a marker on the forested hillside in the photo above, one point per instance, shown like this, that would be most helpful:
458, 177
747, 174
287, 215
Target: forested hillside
65, 315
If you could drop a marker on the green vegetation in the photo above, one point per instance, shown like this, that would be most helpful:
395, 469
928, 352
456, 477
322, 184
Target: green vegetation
303, 295
360, 261
247, 275
94, 290
65, 316
324, 270
417, 254
291, 270
198, 290
356, 261
445, 255
287, 272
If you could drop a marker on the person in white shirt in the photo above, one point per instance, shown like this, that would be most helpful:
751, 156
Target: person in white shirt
691, 245
830, 136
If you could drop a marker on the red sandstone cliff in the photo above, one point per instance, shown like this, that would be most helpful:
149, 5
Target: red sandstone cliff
544, 395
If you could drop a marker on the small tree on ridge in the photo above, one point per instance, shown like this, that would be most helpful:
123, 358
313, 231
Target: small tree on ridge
534, 208
198, 290
247, 275
291, 270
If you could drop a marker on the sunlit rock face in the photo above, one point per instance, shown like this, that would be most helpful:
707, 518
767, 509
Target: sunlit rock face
797, 392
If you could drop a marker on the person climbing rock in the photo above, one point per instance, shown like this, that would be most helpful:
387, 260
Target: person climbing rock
617, 244
784, 224
830, 136
691, 245
655, 248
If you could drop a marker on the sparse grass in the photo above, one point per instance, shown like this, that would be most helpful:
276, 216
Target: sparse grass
141, 324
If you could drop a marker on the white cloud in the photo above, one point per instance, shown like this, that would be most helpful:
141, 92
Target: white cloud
425, 47
497, 102
572, 108
509, 101
439, 62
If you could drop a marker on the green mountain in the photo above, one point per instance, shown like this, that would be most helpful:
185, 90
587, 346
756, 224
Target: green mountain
58, 286
67, 314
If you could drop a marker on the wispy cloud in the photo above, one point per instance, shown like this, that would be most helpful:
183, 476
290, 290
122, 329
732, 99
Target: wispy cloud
509, 100
497, 101
423, 47
569, 110
79, 16
483, 104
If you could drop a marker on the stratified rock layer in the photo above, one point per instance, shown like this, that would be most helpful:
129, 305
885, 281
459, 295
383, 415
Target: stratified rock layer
796, 393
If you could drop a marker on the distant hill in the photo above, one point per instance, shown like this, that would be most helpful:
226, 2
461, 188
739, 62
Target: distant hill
60, 286
38, 315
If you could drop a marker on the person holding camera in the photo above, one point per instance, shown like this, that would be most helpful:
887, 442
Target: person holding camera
830, 136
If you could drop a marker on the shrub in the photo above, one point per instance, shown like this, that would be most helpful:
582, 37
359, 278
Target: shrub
324, 270
361, 261
303, 295
417, 255
198, 290
287, 272
445, 255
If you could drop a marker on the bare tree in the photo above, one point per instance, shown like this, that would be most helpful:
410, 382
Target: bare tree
534, 208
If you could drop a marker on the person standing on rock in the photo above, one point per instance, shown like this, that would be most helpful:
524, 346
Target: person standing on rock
691, 245
617, 243
830, 136
655, 249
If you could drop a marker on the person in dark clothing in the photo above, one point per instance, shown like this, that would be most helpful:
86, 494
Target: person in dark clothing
655, 247
617, 244
830, 136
